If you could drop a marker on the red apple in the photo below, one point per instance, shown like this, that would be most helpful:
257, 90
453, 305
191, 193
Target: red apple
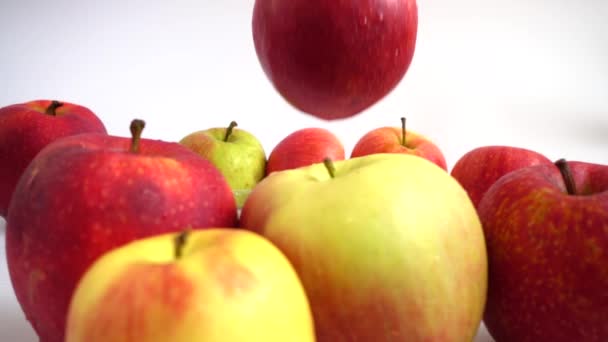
304, 147
398, 140
546, 229
26, 128
334, 59
84, 195
479, 168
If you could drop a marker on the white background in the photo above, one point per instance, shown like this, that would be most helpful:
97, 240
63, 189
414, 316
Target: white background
527, 73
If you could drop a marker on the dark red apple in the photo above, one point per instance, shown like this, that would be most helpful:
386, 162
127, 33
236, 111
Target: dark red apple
86, 194
304, 147
25, 128
479, 168
546, 229
333, 59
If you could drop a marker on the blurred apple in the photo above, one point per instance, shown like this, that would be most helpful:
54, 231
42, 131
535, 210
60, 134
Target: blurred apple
479, 168
86, 194
304, 147
388, 247
25, 128
216, 285
547, 237
398, 140
238, 154
334, 59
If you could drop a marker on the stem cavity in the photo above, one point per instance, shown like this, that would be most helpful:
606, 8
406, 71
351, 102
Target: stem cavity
564, 169
229, 130
329, 164
180, 242
52, 108
137, 126
403, 131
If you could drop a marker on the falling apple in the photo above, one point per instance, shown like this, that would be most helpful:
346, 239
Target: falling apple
334, 59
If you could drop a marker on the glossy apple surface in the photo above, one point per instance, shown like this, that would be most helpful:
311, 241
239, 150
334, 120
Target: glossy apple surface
334, 59
86, 194
25, 128
212, 285
388, 247
547, 240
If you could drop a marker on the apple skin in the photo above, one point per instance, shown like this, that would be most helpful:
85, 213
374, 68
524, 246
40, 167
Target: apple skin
241, 159
479, 168
228, 285
25, 129
86, 194
548, 255
304, 147
389, 249
334, 59
390, 140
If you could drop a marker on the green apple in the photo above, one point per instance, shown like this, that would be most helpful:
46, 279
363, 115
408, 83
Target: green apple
238, 154
388, 246
214, 285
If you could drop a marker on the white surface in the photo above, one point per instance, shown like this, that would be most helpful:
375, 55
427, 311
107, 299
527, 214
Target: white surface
526, 73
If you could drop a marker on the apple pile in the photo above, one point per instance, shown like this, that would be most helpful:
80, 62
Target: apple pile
209, 238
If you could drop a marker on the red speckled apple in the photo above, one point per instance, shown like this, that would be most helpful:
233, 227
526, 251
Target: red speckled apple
304, 147
25, 128
86, 194
334, 59
546, 228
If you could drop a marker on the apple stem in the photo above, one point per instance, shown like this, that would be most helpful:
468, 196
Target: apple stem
403, 131
229, 130
52, 108
137, 126
180, 242
330, 167
564, 169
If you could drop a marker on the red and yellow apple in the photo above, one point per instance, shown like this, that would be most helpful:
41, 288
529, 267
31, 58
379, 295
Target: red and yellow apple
546, 228
86, 194
212, 285
25, 128
398, 140
388, 247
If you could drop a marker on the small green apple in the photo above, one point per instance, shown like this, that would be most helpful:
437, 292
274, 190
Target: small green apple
238, 154
388, 246
212, 285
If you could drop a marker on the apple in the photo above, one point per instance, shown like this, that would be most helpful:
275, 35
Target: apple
304, 147
547, 238
213, 285
479, 168
398, 140
25, 128
86, 194
388, 247
334, 59
238, 154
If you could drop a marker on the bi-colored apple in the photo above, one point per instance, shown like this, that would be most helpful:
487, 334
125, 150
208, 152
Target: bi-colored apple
238, 154
86, 194
304, 147
25, 128
334, 59
398, 140
479, 168
212, 285
546, 228
388, 247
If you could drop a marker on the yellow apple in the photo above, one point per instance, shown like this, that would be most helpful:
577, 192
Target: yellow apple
218, 284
